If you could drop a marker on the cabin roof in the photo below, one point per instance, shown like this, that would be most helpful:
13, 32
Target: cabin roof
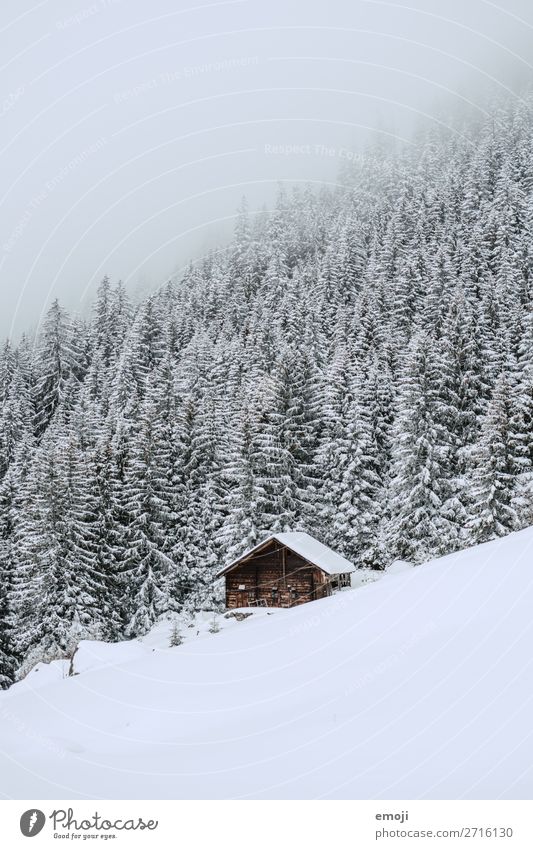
306, 546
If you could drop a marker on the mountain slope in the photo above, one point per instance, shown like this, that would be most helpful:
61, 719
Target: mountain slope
417, 686
357, 363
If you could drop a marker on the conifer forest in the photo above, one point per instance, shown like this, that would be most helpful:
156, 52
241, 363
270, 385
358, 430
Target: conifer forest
357, 363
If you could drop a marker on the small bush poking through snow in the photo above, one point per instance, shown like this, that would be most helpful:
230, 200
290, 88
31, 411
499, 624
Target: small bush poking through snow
175, 638
214, 628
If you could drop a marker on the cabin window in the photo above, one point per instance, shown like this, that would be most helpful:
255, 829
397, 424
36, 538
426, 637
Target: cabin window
294, 592
274, 594
242, 586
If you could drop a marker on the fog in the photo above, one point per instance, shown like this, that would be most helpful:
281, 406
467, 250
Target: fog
131, 130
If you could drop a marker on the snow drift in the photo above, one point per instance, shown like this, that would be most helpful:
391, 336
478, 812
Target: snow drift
417, 686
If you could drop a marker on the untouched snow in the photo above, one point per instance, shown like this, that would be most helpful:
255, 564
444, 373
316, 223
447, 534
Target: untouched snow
419, 685
398, 566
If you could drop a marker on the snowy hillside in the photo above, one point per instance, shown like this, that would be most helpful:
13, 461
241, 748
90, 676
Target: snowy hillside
417, 686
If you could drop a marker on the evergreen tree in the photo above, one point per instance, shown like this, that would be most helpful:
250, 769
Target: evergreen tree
57, 584
145, 502
494, 478
55, 366
418, 527
8, 657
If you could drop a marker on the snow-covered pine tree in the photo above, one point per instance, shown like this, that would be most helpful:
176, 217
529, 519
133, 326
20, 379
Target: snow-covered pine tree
8, 657
57, 585
522, 428
495, 474
241, 529
55, 366
146, 504
16, 415
417, 526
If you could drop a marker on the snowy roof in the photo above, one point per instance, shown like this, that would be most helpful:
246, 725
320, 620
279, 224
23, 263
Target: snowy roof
306, 546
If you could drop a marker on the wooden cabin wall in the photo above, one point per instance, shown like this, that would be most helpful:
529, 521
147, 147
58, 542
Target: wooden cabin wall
263, 578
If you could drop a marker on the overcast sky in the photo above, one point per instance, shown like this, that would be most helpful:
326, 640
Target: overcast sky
131, 129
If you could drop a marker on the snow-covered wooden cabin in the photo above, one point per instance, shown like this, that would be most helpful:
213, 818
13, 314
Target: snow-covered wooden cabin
285, 570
